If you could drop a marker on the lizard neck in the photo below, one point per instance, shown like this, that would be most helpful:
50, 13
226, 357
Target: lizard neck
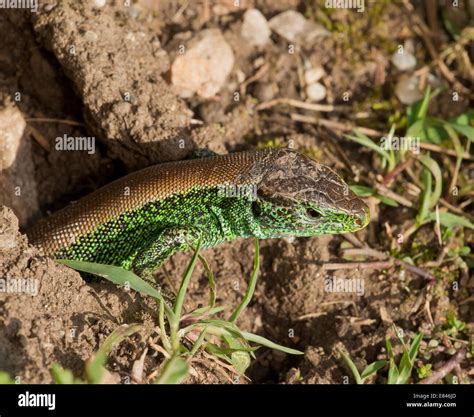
242, 222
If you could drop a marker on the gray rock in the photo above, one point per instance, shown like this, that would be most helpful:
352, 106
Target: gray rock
294, 27
17, 181
315, 92
313, 75
204, 66
12, 128
404, 61
264, 91
8, 228
255, 29
99, 3
90, 36
407, 90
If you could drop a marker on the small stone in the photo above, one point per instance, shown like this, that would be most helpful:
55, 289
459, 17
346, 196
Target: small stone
294, 27
133, 12
255, 29
204, 66
220, 10
90, 36
99, 3
316, 92
12, 128
122, 108
404, 60
264, 91
50, 6
313, 75
407, 90
16, 165
8, 228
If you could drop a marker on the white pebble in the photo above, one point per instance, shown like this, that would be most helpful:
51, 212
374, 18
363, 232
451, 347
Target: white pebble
205, 65
90, 36
255, 28
12, 128
404, 61
407, 90
316, 92
99, 3
294, 27
313, 75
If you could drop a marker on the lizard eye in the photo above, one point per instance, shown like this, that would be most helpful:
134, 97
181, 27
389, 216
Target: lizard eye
256, 209
313, 214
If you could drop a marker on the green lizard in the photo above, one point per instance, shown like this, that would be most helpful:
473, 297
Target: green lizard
140, 220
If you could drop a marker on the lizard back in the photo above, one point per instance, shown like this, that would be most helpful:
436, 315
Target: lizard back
133, 191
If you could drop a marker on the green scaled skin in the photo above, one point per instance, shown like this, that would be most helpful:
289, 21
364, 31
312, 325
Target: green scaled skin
287, 194
144, 238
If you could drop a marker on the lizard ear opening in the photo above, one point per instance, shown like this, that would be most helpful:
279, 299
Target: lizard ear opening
256, 209
312, 213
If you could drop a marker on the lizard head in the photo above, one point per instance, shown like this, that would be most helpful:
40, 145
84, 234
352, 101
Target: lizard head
297, 196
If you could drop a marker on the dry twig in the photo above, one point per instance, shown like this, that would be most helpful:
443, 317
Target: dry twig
446, 368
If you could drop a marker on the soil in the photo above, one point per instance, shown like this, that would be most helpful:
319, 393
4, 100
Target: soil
116, 52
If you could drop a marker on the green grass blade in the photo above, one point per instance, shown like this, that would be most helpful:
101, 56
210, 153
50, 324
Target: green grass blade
417, 129
425, 197
463, 124
95, 366
404, 370
223, 324
372, 369
212, 281
388, 344
198, 343
435, 170
63, 376
178, 305
240, 361
467, 131
174, 371
211, 347
6, 379
118, 276
251, 337
467, 188
351, 366
415, 345
464, 119
421, 109
251, 286
392, 373
386, 200
450, 220
362, 190
208, 311
161, 320
364, 140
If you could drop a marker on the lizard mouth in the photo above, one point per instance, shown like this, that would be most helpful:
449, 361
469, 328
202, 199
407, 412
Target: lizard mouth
362, 217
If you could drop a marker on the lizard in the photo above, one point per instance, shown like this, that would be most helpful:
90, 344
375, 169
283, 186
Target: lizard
140, 220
